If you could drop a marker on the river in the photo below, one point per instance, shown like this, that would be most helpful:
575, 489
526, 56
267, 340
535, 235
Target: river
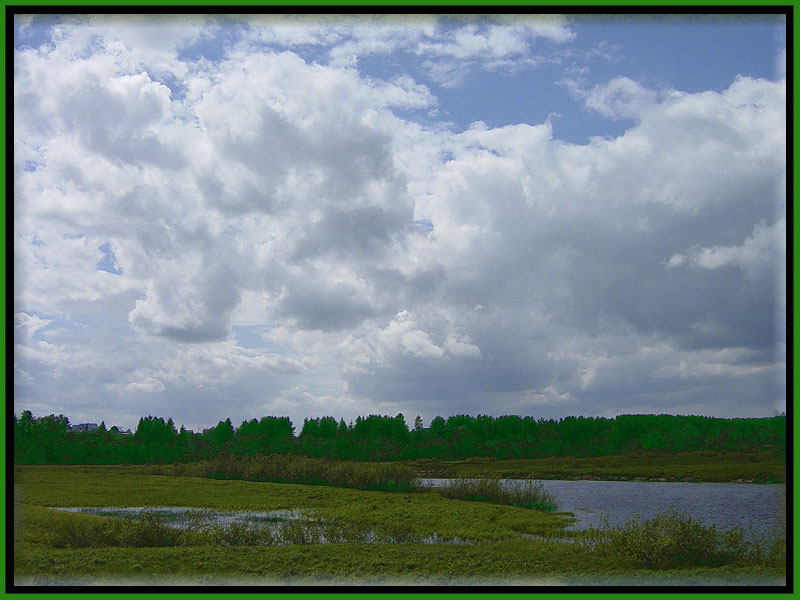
758, 508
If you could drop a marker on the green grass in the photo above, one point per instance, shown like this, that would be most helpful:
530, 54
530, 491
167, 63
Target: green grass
101, 549
512, 559
519, 562
417, 514
751, 467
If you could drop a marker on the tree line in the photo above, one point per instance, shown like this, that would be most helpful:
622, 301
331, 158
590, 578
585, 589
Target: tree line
50, 439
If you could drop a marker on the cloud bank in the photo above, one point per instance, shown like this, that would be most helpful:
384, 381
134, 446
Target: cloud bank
183, 185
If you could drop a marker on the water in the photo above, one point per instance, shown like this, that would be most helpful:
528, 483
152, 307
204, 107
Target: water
760, 508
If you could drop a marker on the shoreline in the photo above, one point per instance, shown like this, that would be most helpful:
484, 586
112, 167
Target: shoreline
744, 467
623, 478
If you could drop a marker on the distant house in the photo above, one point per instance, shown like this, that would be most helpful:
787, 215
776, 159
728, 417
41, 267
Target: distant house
84, 427
118, 431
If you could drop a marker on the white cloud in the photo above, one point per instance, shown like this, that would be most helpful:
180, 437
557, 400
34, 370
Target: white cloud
30, 324
450, 48
461, 346
760, 251
620, 97
149, 385
264, 189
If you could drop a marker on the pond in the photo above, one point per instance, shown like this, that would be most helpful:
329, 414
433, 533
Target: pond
757, 507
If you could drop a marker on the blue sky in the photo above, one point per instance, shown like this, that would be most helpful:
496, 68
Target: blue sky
525, 214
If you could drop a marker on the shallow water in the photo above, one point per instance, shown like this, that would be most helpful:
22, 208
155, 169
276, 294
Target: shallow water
183, 517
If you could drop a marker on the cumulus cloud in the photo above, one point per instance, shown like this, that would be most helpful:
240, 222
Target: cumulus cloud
391, 263
759, 252
620, 97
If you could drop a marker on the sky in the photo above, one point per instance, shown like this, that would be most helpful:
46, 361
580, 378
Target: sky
541, 215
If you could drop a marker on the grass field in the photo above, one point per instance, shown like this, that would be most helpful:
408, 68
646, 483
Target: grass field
498, 544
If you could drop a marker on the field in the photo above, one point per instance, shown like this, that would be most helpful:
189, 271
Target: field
478, 542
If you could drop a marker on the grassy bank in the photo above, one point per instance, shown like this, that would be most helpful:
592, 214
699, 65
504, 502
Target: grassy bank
479, 542
385, 477
289, 468
743, 467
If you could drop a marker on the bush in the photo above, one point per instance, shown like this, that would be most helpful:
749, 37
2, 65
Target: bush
673, 539
768, 549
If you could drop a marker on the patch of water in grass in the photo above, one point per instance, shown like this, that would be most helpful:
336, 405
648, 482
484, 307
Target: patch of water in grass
184, 517
276, 527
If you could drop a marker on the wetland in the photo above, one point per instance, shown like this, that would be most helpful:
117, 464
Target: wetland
124, 526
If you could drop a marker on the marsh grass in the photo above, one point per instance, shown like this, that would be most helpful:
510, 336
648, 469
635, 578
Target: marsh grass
529, 494
150, 529
386, 477
673, 539
290, 468
352, 522
154, 528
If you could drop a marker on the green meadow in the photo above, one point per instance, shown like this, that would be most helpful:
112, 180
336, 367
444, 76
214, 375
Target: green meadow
349, 536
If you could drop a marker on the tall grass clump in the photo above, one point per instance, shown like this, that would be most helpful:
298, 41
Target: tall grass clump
240, 534
529, 494
673, 539
288, 468
150, 530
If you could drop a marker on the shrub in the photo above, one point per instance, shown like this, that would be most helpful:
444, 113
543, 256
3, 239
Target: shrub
673, 539
768, 549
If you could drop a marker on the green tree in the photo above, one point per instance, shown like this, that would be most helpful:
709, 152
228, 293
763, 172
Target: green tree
438, 427
222, 433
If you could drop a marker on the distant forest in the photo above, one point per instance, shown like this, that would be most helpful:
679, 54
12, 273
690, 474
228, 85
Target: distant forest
50, 440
